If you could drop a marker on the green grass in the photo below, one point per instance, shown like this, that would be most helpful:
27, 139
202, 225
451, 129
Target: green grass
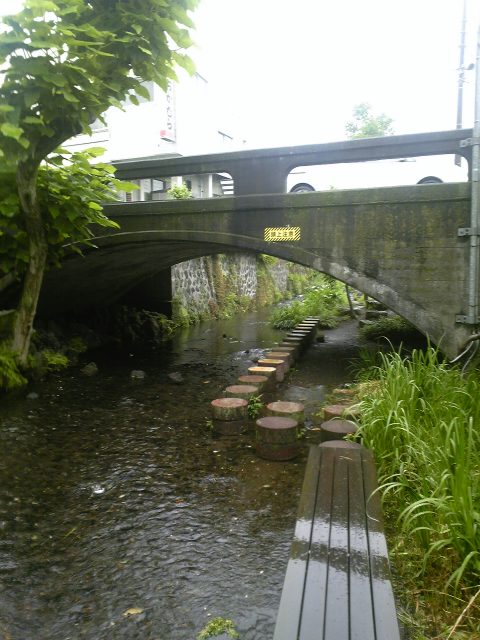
422, 421
324, 299
391, 328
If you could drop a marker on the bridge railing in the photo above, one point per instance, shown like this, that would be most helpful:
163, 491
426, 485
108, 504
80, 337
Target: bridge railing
265, 171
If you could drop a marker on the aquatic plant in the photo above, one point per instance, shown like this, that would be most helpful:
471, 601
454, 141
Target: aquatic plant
216, 627
254, 406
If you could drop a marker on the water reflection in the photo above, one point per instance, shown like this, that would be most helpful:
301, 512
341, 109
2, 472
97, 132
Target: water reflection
115, 498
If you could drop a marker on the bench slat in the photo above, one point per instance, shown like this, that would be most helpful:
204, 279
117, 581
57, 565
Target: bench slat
314, 600
336, 614
386, 625
288, 620
361, 606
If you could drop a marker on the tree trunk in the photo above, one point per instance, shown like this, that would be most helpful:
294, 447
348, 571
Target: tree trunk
38, 249
350, 303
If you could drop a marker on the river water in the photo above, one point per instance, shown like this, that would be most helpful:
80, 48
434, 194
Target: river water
122, 517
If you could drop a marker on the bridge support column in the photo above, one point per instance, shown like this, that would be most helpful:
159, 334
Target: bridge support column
153, 294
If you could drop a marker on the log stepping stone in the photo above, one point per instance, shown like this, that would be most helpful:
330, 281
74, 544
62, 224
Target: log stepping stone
341, 444
311, 330
281, 355
281, 408
257, 381
269, 372
245, 391
290, 341
229, 427
276, 438
337, 429
297, 333
290, 348
230, 415
280, 367
303, 337
340, 411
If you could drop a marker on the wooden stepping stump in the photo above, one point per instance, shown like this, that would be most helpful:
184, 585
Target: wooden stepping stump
290, 348
297, 333
306, 327
303, 336
269, 372
245, 391
230, 415
281, 355
257, 381
337, 429
226, 409
276, 438
341, 444
284, 409
340, 411
293, 342
280, 367
229, 427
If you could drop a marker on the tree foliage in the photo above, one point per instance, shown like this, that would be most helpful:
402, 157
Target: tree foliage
69, 60
367, 125
69, 192
64, 62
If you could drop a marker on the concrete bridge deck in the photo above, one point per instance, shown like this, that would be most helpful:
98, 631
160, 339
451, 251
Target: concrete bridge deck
399, 245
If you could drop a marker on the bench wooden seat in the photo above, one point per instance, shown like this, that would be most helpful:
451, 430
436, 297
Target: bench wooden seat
337, 585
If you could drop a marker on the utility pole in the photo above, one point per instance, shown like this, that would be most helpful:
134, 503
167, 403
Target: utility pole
461, 76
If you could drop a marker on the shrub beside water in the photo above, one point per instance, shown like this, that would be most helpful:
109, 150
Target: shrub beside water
324, 299
391, 328
422, 422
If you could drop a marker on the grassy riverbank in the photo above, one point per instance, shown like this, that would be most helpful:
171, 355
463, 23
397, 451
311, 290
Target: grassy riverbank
325, 298
421, 417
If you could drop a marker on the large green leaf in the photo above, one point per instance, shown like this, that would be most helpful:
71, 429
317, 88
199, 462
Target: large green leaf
11, 131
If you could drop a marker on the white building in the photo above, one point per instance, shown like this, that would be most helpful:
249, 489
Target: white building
185, 120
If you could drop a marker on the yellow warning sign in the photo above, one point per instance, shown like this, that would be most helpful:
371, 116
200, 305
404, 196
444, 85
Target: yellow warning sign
281, 234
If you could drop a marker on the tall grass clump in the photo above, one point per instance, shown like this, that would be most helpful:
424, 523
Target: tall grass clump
423, 423
323, 299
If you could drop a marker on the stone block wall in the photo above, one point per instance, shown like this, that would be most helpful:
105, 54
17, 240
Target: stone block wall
201, 285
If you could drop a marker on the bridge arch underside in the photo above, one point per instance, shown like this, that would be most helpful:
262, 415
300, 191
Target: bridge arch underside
399, 247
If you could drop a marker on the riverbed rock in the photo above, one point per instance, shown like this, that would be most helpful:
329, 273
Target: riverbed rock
138, 374
89, 369
32, 396
176, 377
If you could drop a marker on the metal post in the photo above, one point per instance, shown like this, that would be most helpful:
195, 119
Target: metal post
461, 76
475, 204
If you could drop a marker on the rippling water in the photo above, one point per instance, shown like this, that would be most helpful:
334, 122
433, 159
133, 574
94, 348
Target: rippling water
121, 517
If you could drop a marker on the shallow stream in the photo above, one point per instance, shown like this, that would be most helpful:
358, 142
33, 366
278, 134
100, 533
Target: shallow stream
122, 517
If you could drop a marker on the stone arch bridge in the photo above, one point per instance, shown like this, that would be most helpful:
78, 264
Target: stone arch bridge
408, 247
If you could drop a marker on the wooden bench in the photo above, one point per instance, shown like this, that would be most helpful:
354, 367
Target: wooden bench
337, 585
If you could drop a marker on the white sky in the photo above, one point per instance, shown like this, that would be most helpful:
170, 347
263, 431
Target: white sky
292, 70
295, 69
